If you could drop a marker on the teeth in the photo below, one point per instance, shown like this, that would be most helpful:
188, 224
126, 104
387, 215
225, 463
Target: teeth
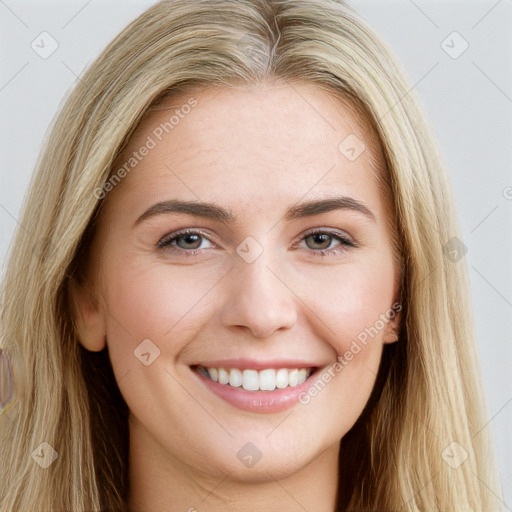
267, 380
223, 376
293, 378
282, 378
235, 378
253, 380
303, 375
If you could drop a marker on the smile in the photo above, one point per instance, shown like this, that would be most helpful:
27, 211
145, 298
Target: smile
253, 380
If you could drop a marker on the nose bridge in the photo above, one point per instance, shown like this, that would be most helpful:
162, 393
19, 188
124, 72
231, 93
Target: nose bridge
257, 299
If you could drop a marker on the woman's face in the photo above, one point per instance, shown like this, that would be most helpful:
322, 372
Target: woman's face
249, 243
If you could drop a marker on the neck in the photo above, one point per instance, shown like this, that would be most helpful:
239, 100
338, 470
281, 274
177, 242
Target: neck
160, 482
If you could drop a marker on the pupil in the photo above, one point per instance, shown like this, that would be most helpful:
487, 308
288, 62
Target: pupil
320, 241
190, 241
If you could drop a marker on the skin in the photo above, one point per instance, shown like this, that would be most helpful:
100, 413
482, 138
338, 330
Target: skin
255, 152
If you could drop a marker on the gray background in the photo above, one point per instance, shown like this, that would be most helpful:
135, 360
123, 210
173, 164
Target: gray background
468, 99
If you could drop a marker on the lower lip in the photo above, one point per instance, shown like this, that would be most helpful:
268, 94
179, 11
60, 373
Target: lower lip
258, 401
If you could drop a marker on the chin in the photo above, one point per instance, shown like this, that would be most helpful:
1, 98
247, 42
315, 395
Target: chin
263, 459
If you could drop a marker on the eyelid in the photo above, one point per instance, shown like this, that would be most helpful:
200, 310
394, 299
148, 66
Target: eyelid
336, 233
346, 241
162, 243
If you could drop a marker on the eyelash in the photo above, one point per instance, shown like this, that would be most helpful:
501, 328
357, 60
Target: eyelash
165, 243
345, 242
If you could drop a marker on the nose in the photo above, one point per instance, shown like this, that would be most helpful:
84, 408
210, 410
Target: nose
258, 300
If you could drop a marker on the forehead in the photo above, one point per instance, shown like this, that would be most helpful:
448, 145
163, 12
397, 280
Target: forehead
256, 145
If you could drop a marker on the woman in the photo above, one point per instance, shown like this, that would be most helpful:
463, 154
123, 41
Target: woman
240, 297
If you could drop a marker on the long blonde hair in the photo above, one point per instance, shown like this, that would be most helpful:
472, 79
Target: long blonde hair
428, 393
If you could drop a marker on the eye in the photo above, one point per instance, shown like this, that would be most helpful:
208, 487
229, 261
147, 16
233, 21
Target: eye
186, 241
319, 241
325, 242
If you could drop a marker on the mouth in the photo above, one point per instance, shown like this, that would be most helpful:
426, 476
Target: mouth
268, 379
256, 387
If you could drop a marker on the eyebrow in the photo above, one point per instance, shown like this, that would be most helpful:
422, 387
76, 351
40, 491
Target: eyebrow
317, 207
298, 211
196, 208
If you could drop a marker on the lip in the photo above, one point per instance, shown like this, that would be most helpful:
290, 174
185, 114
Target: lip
251, 364
259, 401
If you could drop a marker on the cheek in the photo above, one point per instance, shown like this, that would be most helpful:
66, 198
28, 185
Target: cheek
353, 300
154, 311
154, 301
351, 309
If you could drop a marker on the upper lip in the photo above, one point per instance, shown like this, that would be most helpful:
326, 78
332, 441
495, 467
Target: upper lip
252, 364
